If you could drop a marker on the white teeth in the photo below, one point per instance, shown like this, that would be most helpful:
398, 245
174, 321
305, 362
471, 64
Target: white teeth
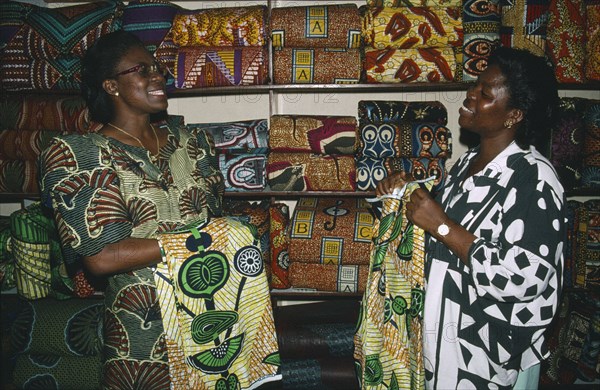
157, 93
466, 109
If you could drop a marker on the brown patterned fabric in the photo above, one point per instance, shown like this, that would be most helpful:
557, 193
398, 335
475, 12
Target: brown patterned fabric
524, 24
310, 172
333, 278
336, 25
592, 61
23, 144
331, 231
313, 134
279, 218
256, 214
316, 66
415, 3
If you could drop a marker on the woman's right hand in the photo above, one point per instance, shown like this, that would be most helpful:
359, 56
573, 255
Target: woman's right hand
390, 183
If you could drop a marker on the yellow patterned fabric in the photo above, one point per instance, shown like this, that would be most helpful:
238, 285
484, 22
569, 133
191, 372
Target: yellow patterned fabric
410, 65
216, 309
413, 27
592, 61
388, 343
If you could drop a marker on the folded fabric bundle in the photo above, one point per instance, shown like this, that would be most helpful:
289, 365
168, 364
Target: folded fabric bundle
24, 144
389, 111
18, 176
481, 25
322, 26
331, 231
416, 3
592, 48
332, 340
310, 172
219, 66
430, 64
313, 134
524, 25
571, 227
256, 214
45, 53
248, 136
57, 372
591, 146
150, 20
587, 252
329, 277
243, 172
565, 40
405, 139
370, 171
305, 374
279, 219
396, 27
316, 65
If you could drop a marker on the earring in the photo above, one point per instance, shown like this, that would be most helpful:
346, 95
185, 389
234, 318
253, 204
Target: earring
117, 93
508, 123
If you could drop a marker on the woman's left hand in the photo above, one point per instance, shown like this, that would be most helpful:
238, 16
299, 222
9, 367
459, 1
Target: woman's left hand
424, 211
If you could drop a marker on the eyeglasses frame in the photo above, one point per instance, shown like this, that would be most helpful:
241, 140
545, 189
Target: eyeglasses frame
155, 67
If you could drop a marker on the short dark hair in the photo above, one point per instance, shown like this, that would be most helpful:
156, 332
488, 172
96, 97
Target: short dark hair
533, 89
99, 64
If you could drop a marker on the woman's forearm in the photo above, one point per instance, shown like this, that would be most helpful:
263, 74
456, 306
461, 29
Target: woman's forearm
126, 255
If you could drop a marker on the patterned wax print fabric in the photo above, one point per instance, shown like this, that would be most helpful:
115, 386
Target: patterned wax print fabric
332, 25
590, 175
390, 111
583, 218
405, 139
568, 134
316, 65
592, 47
23, 144
18, 176
388, 341
565, 40
370, 170
103, 191
257, 214
243, 172
431, 64
485, 322
313, 134
45, 53
310, 172
150, 20
279, 218
590, 243
247, 136
524, 24
571, 228
231, 26
414, 3
12, 18
481, 25
413, 27
331, 231
329, 277
219, 66
216, 308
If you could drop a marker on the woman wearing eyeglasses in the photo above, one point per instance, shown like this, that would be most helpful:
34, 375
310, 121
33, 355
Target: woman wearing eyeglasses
114, 190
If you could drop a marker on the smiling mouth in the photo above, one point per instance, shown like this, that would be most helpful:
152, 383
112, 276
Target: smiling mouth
158, 92
463, 108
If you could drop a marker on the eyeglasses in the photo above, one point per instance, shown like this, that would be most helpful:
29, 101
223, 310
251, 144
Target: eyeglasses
144, 70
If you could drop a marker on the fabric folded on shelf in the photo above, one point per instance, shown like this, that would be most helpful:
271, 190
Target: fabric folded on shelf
370, 171
565, 40
590, 175
313, 134
524, 25
481, 25
316, 65
331, 231
327, 340
247, 136
279, 219
150, 20
405, 139
310, 172
334, 25
24, 144
306, 374
390, 111
592, 47
243, 172
416, 3
396, 27
257, 214
329, 277
19, 176
430, 64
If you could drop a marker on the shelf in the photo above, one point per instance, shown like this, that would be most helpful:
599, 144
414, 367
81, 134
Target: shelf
299, 294
297, 194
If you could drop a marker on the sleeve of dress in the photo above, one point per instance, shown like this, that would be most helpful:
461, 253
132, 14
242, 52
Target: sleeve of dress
79, 184
528, 254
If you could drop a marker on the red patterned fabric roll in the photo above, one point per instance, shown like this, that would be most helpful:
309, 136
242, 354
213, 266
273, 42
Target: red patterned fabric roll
316, 66
313, 134
310, 172
333, 278
316, 26
23, 144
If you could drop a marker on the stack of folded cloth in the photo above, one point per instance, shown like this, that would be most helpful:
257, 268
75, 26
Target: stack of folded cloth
316, 44
316, 344
402, 136
412, 44
330, 244
217, 47
58, 346
241, 148
312, 153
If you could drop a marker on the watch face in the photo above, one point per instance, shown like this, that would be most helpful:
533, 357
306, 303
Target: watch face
443, 229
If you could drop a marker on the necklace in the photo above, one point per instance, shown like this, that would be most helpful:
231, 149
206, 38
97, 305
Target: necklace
138, 140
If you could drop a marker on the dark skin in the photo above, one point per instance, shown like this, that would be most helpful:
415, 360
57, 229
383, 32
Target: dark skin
135, 98
486, 111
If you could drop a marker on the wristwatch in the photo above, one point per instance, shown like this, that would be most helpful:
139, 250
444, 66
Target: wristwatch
443, 230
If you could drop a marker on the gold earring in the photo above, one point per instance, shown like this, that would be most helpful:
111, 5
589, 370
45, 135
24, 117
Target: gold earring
508, 123
117, 93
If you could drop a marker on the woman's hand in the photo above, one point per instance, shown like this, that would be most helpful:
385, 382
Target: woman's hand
396, 180
424, 211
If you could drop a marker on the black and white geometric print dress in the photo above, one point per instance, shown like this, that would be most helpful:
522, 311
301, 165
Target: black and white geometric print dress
485, 322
